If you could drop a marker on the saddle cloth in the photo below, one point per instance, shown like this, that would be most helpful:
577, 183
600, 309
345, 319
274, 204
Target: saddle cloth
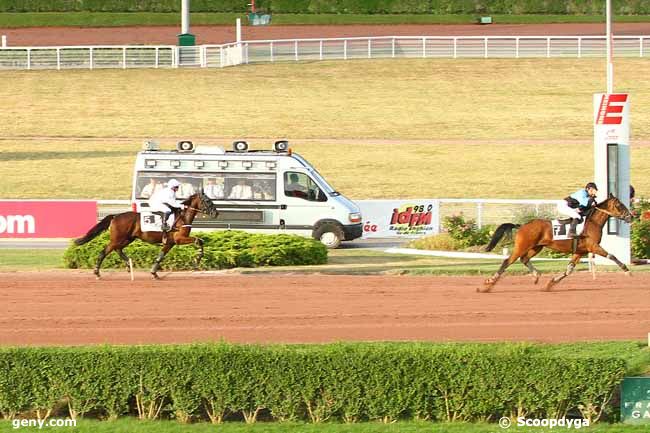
560, 229
150, 222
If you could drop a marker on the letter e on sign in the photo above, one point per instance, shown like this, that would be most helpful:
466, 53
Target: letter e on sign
611, 109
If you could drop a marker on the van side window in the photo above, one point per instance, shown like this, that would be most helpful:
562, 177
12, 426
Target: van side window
302, 186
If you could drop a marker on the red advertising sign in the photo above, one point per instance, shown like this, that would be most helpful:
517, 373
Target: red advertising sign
46, 218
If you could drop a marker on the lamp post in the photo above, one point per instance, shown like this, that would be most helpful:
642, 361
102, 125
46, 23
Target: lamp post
185, 38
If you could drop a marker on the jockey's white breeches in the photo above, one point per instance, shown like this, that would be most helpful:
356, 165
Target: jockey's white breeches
564, 209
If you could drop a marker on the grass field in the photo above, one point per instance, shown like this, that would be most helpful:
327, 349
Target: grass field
136, 426
346, 261
107, 19
376, 129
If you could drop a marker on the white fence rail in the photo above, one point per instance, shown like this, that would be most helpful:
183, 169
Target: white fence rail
208, 56
483, 211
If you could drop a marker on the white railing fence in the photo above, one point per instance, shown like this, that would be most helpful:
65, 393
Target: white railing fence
88, 57
483, 211
219, 56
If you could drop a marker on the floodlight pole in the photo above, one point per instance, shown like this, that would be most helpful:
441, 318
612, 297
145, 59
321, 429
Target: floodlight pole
610, 64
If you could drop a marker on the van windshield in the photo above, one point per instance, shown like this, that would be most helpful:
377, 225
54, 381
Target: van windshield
217, 186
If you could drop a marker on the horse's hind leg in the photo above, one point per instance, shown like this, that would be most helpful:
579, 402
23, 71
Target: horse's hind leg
569, 269
490, 282
106, 251
125, 258
526, 261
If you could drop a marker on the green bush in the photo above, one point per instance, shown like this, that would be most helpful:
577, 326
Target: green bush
437, 7
466, 232
315, 383
224, 249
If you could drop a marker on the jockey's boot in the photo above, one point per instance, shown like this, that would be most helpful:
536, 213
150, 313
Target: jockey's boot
572, 228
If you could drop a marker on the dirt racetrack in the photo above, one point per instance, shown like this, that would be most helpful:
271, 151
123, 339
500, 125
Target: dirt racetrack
73, 308
52, 36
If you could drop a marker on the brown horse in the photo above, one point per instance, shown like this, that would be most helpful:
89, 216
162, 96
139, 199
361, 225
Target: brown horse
533, 236
125, 228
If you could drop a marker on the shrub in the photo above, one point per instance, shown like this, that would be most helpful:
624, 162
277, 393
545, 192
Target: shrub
466, 232
225, 249
315, 383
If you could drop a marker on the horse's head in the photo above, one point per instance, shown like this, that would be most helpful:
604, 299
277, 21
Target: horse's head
615, 208
203, 203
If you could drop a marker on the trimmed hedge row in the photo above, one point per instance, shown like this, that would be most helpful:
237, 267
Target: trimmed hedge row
438, 7
225, 249
315, 383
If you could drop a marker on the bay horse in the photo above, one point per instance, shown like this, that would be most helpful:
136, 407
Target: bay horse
537, 234
125, 228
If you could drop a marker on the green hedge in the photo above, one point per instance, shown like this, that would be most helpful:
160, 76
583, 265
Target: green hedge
224, 249
437, 7
314, 383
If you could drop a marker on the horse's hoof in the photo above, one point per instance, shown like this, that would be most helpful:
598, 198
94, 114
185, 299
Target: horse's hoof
154, 276
535, 278
548, 286
628, 274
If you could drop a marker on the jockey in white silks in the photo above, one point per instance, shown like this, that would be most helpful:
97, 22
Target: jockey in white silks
163, 202
576, 204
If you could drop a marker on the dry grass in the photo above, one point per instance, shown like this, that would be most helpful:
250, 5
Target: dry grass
503, 103
387, 99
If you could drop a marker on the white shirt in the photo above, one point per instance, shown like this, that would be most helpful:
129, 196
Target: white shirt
150, 189
241, 192
214, 191
159, 199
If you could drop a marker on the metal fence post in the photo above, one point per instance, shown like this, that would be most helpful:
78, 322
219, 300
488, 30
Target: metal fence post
548, 48
91, 58
295, 47
345, 49
157, 57
455, 48
393, 49
29, 58
271, 50
424, 48
640, 46
517, 47
369, 48
246, 51
321, 50
58, 59
485, 47
124, 57
579, 47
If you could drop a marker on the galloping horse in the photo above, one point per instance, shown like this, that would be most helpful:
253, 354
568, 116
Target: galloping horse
533, 236
125, 228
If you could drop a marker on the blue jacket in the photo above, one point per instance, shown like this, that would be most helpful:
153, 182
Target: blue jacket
583, 198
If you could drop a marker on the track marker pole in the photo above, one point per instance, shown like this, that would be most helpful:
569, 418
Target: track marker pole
131, 269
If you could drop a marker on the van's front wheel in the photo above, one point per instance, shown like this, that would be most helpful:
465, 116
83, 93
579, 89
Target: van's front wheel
330, 234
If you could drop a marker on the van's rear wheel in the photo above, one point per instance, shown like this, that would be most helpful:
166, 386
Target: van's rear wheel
330, 234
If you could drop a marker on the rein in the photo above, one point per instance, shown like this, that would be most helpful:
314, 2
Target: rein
606, 212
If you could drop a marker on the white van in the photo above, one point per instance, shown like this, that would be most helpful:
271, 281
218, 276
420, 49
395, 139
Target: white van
263, 191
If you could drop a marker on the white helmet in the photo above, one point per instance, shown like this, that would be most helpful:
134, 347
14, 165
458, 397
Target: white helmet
173, 183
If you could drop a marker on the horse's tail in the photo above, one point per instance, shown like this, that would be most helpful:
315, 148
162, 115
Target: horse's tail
499, 233
95, 231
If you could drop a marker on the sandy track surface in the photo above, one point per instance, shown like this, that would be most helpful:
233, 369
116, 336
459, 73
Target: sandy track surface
73, 308
52, 36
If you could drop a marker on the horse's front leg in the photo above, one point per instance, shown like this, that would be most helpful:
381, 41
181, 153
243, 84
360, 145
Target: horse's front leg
156, 266
601, 252
569, 269
196, 241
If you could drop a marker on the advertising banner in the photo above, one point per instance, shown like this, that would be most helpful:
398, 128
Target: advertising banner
46, 218
399, 218
635, 400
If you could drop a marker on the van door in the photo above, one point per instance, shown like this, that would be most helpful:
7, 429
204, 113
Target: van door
304, 202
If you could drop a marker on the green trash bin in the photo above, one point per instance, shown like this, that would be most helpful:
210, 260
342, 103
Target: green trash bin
258, 19
186, 40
